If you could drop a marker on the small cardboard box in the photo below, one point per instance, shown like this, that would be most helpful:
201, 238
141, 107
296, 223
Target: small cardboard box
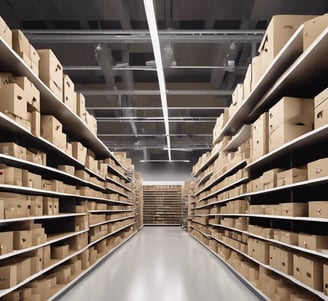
318, 169
67, 168
294, 209
35, 205
76, 267
297, 266
285, 261
312, 272
13, 100
313, 28
291, 176
59, 252
79, 151
321, 109
48, 206
78, 242
20, 42
51, 71
37, 261
31, 92
318, 209
320, 98
14, 208
288, 237
257, 70
269, 178
69, 96
51, 129
22, 239
13, 149
313, 242
8, 276
80, 105
6, 242
260, 135
11, 176
38, 236
248, 82
63, 274
5, 32
46, 259
325, 279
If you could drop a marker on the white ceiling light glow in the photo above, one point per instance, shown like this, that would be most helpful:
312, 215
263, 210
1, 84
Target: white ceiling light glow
152, 25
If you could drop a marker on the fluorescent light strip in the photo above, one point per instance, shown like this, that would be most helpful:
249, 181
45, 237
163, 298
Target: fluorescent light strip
164, 161
152, 25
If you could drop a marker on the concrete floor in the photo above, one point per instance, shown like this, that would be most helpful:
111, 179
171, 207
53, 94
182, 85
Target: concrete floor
161, 264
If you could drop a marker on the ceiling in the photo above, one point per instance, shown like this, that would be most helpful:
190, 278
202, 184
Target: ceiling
106, 49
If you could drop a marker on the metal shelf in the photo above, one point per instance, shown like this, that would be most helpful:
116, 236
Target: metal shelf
111, 221
243, 134
41, 217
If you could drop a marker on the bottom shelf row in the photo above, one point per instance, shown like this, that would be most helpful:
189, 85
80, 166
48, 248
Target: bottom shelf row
264, 280
52, 282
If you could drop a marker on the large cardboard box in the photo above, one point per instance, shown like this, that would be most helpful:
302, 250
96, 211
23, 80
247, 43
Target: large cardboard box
11, 176
291, 176
313, 242
8, 276
278, 32
51, 71
318, 169
6, 242
260, 133
294, 209
13, 100
5, 32
313, 28
318, 209
69, 96
51, 129
291, 111
31, 92
285, 261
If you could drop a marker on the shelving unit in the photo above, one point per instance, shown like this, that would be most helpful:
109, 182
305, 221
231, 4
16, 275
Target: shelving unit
73, 198
162, 204
237, 205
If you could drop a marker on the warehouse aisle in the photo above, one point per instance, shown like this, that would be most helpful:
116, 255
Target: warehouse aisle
162, 264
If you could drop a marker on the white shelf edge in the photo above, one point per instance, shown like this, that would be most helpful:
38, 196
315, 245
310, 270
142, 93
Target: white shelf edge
111, 221
39, 217
261, 294
86, 271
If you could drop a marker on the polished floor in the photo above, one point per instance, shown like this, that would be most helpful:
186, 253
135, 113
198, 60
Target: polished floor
161, 264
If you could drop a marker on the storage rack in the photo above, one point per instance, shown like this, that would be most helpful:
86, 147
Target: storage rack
162, 204
71, 225
227, 231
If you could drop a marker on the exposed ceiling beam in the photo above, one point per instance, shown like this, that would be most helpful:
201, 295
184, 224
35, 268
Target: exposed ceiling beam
143, 36
154, 135
155, 108
121, 67
156, 92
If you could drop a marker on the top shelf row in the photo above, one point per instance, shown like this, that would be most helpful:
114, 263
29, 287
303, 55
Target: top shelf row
284, 74
11, 62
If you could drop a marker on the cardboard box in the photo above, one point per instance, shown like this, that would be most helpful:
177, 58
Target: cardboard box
313, 242
48, 206
291, 176
288, 237
80, 105
46, 259
22, 239
312, 272
78, 242
278, 32
248, 81
257, 70
38, 236
297, 266
84, 257
260, 133
291, 111
14, 208
13, 149
35, 119
294, 209
51, 71
269, 178
67, 168
11, 176
5, 78
13, 296
318, 169
76, 267
13, 100
20, 42
79, 151
5, 33
35, 205
8, 276
37, 261
318, 209
6, 242
69, 96
31, 180
320, 98
325, 279
63, 274
59, 252
321, 109
31, 92
51, 129
313, 28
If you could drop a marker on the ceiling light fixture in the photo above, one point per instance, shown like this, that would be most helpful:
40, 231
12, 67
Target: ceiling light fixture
152, 25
